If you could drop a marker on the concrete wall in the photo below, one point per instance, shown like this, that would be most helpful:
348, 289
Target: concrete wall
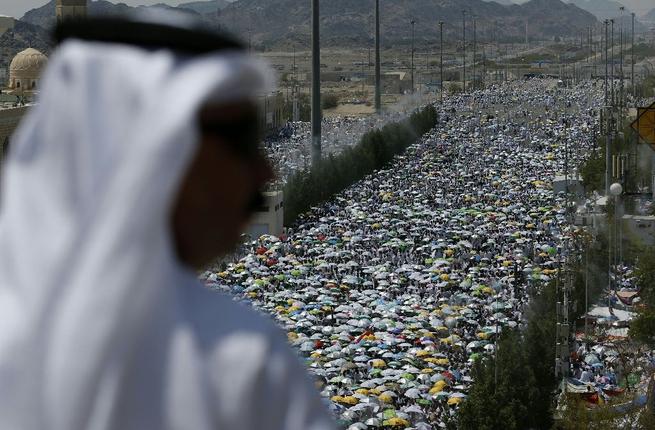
270, 219
9, 119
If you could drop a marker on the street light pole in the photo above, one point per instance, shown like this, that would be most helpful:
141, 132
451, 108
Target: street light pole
378, 83
621, 41
474, 51
632, 58
412, 71
464, 50
316, 85
612, 65
606, 65
441, 59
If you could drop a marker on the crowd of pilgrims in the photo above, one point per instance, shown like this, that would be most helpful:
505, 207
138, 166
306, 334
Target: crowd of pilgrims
392, 289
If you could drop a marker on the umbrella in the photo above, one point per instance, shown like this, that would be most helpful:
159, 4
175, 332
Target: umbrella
396, 422
413, 393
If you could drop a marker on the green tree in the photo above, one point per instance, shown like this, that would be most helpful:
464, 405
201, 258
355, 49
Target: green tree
642, 328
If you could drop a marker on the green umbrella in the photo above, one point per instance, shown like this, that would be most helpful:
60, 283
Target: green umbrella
389, 413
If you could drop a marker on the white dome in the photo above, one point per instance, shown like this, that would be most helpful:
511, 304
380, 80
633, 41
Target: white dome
28, 64
25, 70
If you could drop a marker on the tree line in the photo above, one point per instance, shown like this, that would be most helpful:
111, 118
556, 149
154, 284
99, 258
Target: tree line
334, 173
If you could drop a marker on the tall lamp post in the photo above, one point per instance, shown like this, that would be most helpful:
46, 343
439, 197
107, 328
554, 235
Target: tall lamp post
474, 51
612, 65
621, 42
632, 58
412, 70
441, 60
316, 85
378, 84
615, 190
464, 50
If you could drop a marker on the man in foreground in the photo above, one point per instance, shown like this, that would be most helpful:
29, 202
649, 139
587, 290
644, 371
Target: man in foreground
139, 164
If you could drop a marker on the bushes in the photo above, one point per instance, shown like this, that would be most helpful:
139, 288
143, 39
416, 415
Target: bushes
330, 101
333, 174
519, 394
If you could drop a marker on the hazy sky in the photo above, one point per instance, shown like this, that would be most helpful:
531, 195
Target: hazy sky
17, 8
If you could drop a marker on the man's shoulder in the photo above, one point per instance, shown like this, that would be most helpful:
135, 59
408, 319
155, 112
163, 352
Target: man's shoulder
216, 317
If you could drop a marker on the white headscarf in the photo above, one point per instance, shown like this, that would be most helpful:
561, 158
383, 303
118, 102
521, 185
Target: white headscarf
101, 327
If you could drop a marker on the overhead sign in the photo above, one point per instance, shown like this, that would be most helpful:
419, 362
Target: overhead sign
644, 125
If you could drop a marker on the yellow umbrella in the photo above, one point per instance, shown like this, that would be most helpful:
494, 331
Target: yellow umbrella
350, 400
378, 363
438, 387
363, 391
396, 422
386, 398
423, 353
455, 400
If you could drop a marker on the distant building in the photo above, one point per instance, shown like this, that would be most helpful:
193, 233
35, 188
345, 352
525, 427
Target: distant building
6, 23
640, 227
269, 218
25, 71
67, 9
272, 112
575, 185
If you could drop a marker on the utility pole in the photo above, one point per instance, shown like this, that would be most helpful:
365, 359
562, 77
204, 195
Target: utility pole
484, 65
441, 60
475, 40
632, 58
606, 63
612, 64
621, 41
412, 71
464, 50
527, 43
316, 85
378, 84
294, 91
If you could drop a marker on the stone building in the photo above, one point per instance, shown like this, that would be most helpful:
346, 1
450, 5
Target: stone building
24, 77
6, 23
70, 9
25, 71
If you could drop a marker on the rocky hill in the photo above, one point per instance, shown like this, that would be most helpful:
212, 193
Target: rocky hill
602, 9
44, 16
205, 7
24, 35
280, 24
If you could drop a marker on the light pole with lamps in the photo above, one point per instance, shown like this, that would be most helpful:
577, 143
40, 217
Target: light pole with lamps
615, 190
378, 83
441, 59
412, 71
464, 50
